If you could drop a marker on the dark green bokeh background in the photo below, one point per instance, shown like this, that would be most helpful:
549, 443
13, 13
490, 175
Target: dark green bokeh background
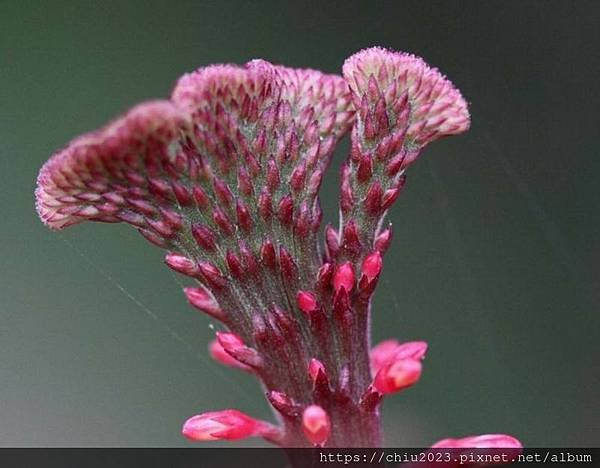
494, 263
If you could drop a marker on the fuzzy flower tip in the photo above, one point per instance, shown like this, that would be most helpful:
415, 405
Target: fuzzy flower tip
393, 90
225, 177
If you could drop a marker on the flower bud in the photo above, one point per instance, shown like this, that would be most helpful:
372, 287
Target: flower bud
480, 442
219, 354
397, 375
390, 350
202, 300
316, 424
344, 277
307, 302
181, 264
228, 424
371, 266
316, 369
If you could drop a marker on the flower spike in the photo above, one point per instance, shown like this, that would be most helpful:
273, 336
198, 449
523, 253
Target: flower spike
224, 176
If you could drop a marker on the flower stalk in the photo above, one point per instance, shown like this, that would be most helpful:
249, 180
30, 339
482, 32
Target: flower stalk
225, 177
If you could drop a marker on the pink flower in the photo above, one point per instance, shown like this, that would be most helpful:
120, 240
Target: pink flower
227, 424
389, 350
480, 441
316, 424
397, 375
225, 175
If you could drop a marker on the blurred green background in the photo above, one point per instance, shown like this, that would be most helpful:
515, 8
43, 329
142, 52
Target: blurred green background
494, 262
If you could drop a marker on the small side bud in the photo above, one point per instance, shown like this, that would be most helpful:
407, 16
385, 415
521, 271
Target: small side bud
228, 424
202, 300
267, 254
282, 403
181, 264
316, 370
324, 275
397, 375
307, 302
384, 239
212, 274
371, 266
390, 350
316, 424
219, 354
288, 266
332, 241
344, 277
234, 345
351, 239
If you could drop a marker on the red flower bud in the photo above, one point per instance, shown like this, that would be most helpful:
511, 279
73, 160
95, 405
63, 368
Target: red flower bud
219, 354
181, 264
390, 350
344, 277
371, 266
202, 300
316, 424
228, 424
397, 375
307, 302
315, 369
383, 239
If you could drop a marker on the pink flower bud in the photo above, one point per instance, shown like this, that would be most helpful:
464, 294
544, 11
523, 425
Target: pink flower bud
282, 403
234, 345
181, 264
230, 341
344, 277
390, 350
219, 354
332, 240
397, 375
307, 302
267, 254
316, 368
285, 210
228, 424
289, 269
243, 216
371, 266
480, 442
411, 350
316, 424
324, 275
204, 236
212, 274
202, 300
383, 240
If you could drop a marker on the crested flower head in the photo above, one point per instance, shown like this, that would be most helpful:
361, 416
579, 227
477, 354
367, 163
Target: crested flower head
225, 177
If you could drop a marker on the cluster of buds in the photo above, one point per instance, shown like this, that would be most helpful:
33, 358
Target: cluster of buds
225, 176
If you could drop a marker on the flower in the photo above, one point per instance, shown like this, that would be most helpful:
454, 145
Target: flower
225, 175
316, 425
227, 424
